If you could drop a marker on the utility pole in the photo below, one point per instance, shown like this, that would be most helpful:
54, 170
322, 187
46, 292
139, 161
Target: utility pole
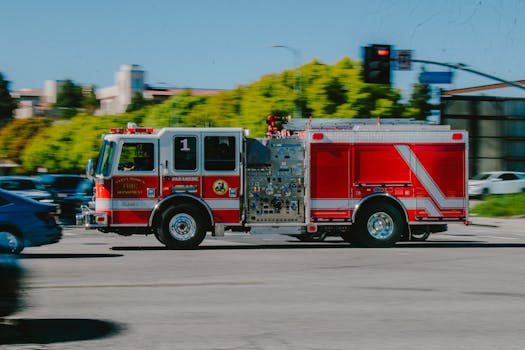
297, 83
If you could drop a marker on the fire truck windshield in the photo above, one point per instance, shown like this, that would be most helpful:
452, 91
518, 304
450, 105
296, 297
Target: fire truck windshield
105, 158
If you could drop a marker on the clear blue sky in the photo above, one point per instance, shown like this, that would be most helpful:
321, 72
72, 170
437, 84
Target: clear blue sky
222, 44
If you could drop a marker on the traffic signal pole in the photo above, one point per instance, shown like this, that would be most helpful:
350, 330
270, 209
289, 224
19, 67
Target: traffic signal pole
465, 68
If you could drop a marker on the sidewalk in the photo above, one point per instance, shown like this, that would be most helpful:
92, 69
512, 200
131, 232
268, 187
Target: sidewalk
516, 224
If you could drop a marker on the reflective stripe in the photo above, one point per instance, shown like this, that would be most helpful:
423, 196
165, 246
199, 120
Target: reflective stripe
421, 203
343, 203
149, 204
125, 204
426, 180
349, 203
223, 203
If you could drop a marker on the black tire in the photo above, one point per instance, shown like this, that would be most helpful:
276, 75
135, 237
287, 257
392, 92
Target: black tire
311, 237
349, 235
420, 236
183, 227
10, 242
379, 225
159, 236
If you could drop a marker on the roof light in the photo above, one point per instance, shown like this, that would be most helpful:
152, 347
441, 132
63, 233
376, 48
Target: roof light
317, 136
457, 136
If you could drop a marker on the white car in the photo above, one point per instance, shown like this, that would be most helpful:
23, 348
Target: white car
496, 182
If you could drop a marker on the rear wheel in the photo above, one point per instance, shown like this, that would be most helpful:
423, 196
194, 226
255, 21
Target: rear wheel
379, 225
10, 242
182, 227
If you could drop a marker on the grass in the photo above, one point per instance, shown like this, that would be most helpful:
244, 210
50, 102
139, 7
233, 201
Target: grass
501, 206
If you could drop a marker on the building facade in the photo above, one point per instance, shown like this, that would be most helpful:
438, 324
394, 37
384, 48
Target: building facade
129, 80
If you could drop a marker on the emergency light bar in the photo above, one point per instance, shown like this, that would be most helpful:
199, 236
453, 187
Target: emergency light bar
132, 129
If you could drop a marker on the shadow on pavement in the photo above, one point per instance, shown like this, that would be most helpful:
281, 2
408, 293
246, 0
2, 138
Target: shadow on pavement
244, 247
48, 331
66, 256
333, 245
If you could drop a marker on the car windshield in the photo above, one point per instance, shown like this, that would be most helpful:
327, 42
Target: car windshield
18, 185
482, 176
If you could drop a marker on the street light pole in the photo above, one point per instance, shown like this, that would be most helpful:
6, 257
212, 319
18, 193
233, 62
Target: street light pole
297, 84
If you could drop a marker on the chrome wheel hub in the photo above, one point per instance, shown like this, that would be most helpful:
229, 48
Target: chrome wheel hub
380, 226
182, 227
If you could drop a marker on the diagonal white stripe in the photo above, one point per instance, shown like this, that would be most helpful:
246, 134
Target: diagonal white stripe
427, 181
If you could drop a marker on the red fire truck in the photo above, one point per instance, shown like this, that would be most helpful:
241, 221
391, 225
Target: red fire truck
372, 183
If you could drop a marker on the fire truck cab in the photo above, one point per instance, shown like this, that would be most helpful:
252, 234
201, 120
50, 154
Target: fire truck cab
372, 184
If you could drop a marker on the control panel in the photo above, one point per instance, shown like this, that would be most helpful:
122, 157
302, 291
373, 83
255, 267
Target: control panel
275, 190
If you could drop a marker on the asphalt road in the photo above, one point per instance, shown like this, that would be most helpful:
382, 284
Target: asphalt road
461, 290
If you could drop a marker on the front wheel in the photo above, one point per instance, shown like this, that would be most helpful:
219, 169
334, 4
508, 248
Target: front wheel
379, 225
10, 243
182, 227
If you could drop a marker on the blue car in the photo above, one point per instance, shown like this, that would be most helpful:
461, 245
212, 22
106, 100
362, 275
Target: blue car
25, 222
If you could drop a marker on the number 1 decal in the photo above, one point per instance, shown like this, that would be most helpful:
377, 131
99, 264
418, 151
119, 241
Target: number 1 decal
184, 145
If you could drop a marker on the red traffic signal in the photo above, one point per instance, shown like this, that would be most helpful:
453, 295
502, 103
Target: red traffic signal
377, 64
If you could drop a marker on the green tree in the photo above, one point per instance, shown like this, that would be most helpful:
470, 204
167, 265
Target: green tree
69, 98
327, 91
419, 102
7, 103
15, 135
137, 102
89, 100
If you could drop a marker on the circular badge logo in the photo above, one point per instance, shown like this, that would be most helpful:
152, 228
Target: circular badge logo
220, 187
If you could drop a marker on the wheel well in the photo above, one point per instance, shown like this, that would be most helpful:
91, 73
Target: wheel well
11, 229
375, 199
181, 199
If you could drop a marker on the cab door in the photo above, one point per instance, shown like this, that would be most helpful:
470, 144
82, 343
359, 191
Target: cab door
221, 174
135, 184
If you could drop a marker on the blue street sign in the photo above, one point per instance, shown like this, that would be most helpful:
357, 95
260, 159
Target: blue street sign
435, 77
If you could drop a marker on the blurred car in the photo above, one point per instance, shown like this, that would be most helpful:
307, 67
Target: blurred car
26, 186
496, 182
71, 205
61, 186
25, 222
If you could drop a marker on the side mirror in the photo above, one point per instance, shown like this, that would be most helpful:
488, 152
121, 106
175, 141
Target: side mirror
90, 169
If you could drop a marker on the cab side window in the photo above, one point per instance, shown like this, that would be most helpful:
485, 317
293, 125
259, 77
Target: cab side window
185, 150
136, 157
219, 153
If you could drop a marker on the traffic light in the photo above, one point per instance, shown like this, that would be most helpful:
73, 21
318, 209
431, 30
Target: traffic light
377, 64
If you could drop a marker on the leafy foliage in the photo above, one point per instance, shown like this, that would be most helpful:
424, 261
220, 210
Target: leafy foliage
14, 136
67, 145
501, 206
137, 102
69, 95
316, 89
7, 103
419, 104
69, 98
89, 101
